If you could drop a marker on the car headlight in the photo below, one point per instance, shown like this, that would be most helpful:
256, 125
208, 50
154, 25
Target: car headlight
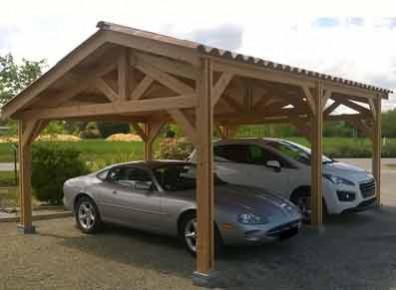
251, 219
338, 180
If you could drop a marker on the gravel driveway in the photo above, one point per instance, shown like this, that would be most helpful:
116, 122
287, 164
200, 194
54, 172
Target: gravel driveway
351, 252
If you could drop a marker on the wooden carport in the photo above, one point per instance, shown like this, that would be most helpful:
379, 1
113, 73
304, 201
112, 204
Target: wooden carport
129, 75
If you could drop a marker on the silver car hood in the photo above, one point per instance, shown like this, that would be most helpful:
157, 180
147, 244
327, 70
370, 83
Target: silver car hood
241, 199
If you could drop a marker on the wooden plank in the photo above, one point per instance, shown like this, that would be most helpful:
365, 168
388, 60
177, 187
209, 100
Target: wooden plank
165, 79
220, 86
28, 132
189, 129
232, 103
169, 66
128, 107
372, 108
205, 187
54, 74
123, 79
326, 97
106, 90
316, 158
141, 88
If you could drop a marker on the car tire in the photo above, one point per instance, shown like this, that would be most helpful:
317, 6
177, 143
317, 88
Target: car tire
87, 216
301, 198
187, 235
304, 195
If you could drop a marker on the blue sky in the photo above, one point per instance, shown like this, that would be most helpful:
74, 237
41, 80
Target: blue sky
351, 40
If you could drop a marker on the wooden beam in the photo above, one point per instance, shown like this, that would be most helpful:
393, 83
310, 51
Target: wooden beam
26, 131
129, 107
123, 79
232, 103
326, 97
377, 148
205, 183
141, 88
220, 86
106, 90
373, 108
54, 74
152, 130
352, 105
165, 79
169, 66
310, 99
139, 131
316, 157
227, 131
331, 109
189, 129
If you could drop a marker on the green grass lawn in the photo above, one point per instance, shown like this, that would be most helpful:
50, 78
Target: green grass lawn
103, 152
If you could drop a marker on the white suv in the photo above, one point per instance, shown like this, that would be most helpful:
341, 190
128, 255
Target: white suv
283, 167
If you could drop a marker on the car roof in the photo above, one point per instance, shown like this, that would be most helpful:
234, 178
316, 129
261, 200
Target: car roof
248, 141
152, 164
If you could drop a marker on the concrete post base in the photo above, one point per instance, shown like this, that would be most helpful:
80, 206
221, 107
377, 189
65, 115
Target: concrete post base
209, 280
26, 229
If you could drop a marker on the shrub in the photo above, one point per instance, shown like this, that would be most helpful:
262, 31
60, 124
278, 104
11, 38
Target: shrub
90, 132
107, 129
52, 165
172, 148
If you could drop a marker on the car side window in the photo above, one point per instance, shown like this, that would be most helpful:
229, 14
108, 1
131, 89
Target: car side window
128, 176
234, 153
260, 156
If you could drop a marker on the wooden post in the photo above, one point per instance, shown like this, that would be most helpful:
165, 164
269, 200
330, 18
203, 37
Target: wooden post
316, 156
25, 195
205, 191
377, 147
148, 144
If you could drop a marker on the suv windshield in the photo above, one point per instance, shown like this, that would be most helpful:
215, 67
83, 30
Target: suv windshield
295, 151
178, 177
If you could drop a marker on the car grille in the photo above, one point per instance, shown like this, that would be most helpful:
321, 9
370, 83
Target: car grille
277, 231
367, 188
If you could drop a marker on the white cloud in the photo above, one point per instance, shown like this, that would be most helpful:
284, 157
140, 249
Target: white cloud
348, 39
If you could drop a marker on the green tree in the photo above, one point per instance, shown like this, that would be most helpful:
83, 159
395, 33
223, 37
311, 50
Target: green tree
15, 77
389, 124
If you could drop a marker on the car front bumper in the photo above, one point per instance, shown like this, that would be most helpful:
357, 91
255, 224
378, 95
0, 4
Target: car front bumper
255, 235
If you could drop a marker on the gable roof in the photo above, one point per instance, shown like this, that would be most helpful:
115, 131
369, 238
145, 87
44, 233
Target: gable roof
103, 36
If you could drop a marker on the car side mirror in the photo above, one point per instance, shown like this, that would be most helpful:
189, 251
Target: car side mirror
274, 164
144, 185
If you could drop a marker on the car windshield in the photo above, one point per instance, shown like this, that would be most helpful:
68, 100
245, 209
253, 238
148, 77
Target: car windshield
178, 177
296, 151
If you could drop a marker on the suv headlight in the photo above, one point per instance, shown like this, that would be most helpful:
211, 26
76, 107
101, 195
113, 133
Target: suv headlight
251, 219
338, 180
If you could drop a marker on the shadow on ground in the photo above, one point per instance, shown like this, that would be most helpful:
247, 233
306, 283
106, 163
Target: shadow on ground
351, 251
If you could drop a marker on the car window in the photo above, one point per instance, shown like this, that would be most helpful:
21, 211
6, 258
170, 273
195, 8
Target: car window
103, 175
128, 175
260, 156
178, 177
234, 153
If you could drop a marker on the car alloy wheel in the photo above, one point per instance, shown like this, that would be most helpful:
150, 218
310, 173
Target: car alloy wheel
86, 215
190, 234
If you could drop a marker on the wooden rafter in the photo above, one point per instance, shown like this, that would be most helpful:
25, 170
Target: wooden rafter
353, 106
141, 88
165, 79
331, 109
220, 86
169, 66
104, 87
139, 131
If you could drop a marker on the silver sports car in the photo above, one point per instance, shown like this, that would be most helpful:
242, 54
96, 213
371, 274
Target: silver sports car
159, 196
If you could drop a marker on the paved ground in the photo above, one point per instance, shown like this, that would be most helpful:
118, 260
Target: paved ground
352, 252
